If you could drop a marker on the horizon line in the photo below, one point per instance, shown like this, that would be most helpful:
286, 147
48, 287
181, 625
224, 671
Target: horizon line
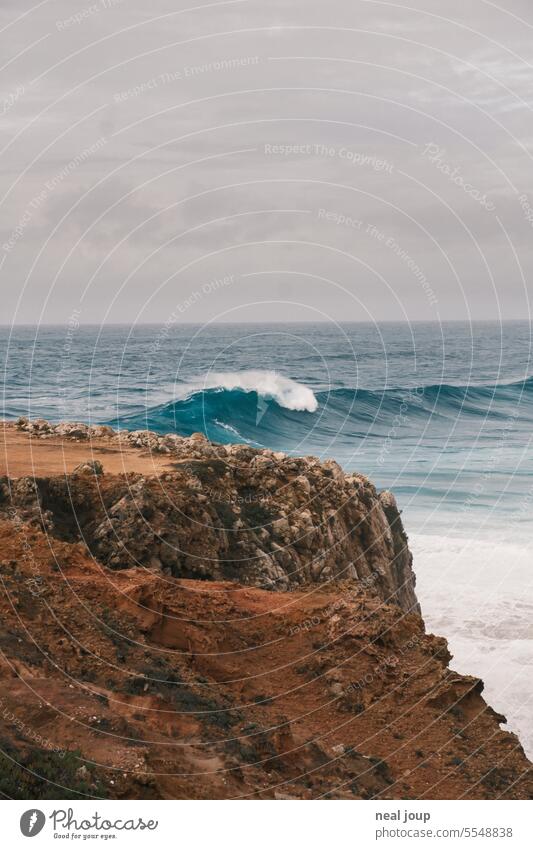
298, 321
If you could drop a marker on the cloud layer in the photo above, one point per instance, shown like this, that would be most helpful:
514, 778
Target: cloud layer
348, 160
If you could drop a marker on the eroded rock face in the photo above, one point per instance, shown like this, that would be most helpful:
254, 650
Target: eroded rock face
349, 697
228, 512
154, 687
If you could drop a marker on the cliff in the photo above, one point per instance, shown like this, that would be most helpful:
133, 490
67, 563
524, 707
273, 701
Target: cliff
222, 512
236, 624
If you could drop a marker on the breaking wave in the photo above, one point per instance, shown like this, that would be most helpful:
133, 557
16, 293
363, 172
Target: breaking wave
266, 409
266, 384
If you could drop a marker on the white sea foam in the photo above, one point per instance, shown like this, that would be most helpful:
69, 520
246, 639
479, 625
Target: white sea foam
268, 384
478, 593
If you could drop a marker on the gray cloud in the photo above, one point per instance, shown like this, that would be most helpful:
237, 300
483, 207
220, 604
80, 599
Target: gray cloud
145, 151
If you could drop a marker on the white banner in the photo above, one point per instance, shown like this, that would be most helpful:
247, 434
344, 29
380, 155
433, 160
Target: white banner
266, 824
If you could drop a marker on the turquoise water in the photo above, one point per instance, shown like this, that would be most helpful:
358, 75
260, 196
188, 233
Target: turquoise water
442, 414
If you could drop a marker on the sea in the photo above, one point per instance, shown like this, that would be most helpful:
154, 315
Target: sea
441, 414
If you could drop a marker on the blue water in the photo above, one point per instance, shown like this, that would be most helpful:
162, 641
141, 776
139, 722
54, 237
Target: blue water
442, 414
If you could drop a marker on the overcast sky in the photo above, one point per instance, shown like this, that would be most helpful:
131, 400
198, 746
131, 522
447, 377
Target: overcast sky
280, 160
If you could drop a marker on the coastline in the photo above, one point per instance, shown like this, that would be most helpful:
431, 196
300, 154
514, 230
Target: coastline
324, 683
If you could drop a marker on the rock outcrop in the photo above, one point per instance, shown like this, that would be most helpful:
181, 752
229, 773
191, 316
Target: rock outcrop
226, 512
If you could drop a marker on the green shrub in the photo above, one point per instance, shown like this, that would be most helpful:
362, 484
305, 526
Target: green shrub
42, 774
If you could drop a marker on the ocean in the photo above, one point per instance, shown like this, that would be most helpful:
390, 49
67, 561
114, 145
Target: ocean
442, 414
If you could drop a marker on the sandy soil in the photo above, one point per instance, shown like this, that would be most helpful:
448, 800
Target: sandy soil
22, 454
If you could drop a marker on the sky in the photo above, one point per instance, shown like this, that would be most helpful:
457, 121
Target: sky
279, 161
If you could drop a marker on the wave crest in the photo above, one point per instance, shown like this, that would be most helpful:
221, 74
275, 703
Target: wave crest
266, 409
267, 384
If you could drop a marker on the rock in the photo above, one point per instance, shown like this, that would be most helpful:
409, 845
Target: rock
101, 431
83, 773
228, 512
39, 426
302, 482
92, 467
281, 526
198, 439
403, 578
333, 467
72, 430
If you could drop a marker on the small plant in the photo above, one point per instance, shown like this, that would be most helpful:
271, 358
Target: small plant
42, 774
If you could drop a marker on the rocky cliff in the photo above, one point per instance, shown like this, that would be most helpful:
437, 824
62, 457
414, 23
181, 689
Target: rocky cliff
224, 512
239, 625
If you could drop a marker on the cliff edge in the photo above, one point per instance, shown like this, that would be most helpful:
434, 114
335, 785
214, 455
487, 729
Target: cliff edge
235, 624
221, 512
